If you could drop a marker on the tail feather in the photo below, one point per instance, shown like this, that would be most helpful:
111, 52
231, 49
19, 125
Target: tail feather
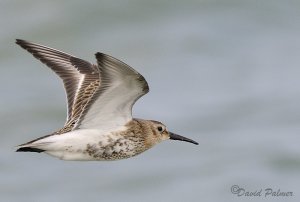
29, 149
34, 145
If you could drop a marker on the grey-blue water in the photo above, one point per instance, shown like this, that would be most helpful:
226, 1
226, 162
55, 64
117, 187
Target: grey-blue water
225, 73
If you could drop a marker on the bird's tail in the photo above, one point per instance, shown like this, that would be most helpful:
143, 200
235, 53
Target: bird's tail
29, 149
33, 146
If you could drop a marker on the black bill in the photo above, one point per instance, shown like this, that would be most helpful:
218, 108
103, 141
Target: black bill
174, 136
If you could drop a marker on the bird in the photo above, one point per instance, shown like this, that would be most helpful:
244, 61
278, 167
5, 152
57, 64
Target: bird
100, 97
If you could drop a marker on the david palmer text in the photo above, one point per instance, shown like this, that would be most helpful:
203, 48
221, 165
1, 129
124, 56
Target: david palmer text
268, 192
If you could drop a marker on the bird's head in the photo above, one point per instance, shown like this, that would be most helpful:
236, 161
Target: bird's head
159, 133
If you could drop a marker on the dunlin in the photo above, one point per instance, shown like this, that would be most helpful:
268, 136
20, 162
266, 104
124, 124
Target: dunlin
99, 122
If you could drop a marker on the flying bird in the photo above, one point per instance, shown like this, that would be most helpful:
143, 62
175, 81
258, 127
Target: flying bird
100, 98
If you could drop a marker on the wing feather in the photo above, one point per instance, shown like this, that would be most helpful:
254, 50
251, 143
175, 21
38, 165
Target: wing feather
70, 69
111, 106
99, 96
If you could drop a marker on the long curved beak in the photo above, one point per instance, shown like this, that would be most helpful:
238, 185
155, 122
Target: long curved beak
174, 136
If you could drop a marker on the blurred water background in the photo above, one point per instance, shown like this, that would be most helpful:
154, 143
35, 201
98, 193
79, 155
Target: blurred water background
225, 73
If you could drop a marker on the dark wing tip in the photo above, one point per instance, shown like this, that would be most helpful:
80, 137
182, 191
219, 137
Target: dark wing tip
20, 41
146, 88
100, 56
23, 43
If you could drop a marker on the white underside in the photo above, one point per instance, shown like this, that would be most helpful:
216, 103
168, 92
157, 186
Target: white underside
72, 145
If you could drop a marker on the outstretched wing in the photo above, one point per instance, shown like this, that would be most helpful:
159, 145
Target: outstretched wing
99, 96
111, 106
80, 78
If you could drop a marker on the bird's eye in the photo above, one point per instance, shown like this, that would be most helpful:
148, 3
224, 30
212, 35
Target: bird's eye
159, 128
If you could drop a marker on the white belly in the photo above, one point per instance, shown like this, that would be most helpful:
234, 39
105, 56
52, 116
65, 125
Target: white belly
87, 145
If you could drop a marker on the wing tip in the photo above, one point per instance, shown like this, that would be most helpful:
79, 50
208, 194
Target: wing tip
20, 41
23, 43
114, 62
99, 55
